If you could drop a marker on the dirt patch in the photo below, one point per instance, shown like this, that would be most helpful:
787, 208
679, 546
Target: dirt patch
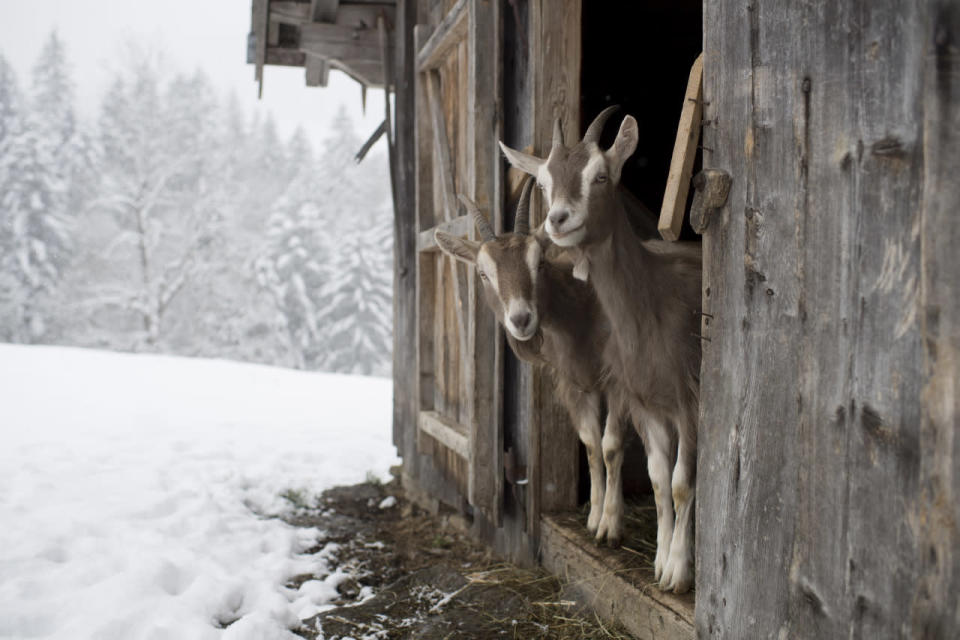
413, 577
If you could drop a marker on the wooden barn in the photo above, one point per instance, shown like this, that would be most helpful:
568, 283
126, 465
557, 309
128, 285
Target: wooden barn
828, 485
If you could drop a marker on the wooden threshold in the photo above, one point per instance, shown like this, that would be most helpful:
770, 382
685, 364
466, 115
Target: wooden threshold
617, 586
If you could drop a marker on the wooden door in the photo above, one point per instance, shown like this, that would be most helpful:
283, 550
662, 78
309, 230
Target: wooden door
459, 350
827, 483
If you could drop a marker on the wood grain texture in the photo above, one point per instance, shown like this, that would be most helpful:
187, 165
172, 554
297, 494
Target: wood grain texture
601, 583
339, 42
684, 153
484, 177
827, 493
445, 36
452, 435
444, 169
556, 58
405, 372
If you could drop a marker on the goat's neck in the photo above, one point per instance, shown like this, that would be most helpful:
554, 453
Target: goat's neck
620, 265
560, 300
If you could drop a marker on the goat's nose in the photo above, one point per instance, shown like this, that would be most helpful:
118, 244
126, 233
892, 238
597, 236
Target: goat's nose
521, 320
557, 218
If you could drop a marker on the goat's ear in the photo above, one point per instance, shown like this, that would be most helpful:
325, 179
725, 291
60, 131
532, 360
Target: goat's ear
523, 161
623, 147
459, 248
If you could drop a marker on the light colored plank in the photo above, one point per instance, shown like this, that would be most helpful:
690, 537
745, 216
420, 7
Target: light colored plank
459, 226
441, 156
599, 581
448, 34
445, 431
684, 153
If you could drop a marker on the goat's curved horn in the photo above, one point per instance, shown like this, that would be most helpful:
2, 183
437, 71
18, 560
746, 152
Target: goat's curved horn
521, 224
596, 127
483, 225
557, 133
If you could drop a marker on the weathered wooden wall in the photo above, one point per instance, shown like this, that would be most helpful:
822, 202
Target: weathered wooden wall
829, 462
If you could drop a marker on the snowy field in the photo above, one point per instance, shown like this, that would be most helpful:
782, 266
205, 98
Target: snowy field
133, 491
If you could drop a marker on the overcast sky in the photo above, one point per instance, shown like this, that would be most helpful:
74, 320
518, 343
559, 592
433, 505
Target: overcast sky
211, 34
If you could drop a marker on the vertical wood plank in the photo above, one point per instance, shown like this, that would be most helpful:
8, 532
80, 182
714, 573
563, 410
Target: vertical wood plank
555, 52
938, 504
483, 174
444, 165
405, 332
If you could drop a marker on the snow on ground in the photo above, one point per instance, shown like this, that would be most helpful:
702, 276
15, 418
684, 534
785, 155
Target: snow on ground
130, 488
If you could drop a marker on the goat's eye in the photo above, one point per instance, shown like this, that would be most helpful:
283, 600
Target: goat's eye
600, 179
483, 276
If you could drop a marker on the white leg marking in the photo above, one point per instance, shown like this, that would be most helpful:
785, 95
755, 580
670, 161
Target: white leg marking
611, 522
659, 469
680, 561
590, 435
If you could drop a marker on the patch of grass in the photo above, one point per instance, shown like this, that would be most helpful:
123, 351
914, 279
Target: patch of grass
299, 498
441, 542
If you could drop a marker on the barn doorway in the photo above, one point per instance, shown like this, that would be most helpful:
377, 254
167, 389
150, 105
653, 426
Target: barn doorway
638, 55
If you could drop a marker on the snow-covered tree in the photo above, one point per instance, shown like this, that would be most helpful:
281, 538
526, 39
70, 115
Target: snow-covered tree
159, 183
38, 164
329, 264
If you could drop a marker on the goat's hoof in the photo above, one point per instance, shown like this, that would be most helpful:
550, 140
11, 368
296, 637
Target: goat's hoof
593, 522
677, 576
613, 542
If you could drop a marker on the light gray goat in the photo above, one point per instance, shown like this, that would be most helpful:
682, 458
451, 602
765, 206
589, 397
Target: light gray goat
551, 319
650, 293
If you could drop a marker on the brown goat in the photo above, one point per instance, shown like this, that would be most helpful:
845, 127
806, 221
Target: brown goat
551, 318
650, 293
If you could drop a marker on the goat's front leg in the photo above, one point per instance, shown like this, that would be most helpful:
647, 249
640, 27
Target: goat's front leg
657, 442
611, 522
587, 421
678, 574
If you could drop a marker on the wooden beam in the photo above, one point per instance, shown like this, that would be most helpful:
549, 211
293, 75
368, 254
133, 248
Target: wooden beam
600, 580
444, 164
338, 42
324, 10
260, 18
386, 61
318, 71
289, 12
372, 140
281, 57
459, 226
684, 153
445, 431
448, 34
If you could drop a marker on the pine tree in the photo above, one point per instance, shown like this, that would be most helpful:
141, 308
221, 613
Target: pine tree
36, 192
329, 263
